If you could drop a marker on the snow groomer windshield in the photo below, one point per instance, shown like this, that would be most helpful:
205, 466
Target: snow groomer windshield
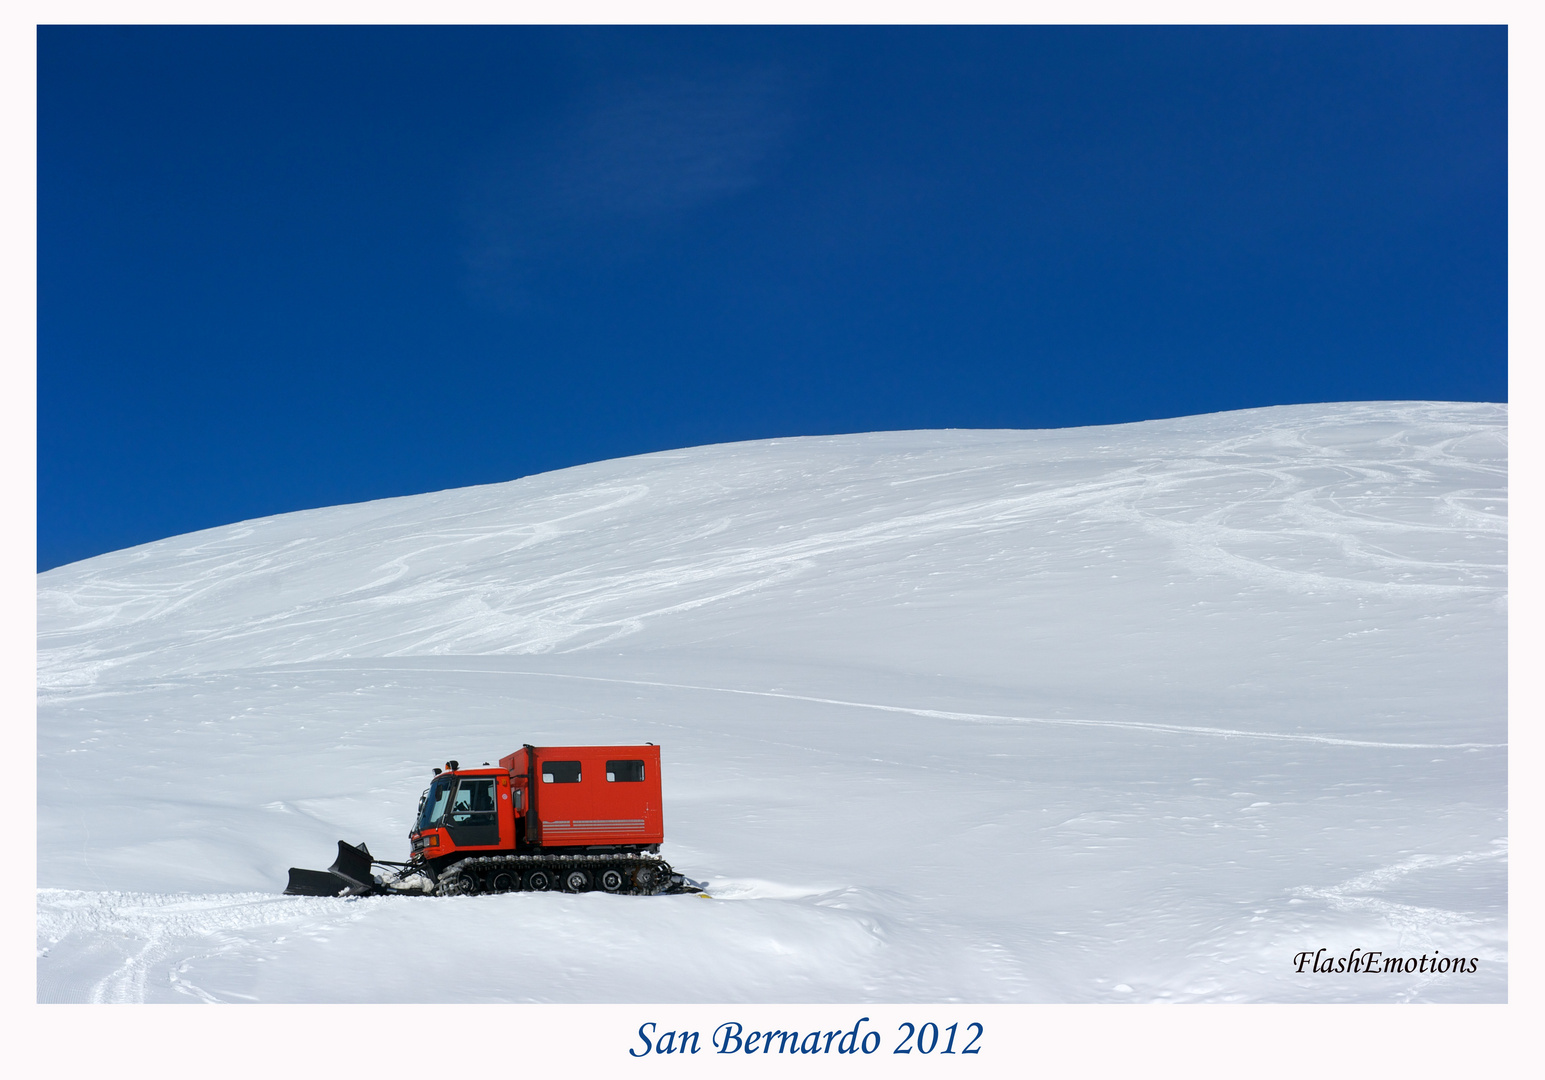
435, 800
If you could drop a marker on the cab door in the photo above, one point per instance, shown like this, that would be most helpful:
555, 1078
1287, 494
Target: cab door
473, 816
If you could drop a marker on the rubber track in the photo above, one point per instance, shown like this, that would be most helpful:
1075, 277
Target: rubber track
481, 870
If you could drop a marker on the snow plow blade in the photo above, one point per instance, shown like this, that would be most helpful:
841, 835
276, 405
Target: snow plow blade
348, 876
314, 883
353, 867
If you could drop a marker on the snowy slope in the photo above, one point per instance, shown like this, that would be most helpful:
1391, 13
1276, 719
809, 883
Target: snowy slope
1121, 713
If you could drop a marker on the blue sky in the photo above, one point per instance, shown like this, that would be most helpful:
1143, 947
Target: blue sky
291, 267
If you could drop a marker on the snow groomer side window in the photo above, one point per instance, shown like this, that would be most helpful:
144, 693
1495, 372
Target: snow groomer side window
434, 803
624, 772
560, 772
474, 802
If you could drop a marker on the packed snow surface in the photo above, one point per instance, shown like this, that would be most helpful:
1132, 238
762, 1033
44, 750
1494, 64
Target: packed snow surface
1125, 713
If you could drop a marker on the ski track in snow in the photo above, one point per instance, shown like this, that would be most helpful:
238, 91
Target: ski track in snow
1352, 895
894, 675
156, 928
939, 714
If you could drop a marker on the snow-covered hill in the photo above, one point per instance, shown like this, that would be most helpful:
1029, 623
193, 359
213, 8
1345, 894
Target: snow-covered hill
1121, 713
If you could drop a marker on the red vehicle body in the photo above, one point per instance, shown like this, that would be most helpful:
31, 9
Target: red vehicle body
540, 799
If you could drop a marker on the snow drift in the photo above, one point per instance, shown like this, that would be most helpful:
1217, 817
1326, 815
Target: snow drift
1104, 714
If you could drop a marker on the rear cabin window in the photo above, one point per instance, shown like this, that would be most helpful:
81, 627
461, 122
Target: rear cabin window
560, 772
624, 772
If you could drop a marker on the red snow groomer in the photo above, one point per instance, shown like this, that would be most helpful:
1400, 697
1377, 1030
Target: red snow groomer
573, 818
